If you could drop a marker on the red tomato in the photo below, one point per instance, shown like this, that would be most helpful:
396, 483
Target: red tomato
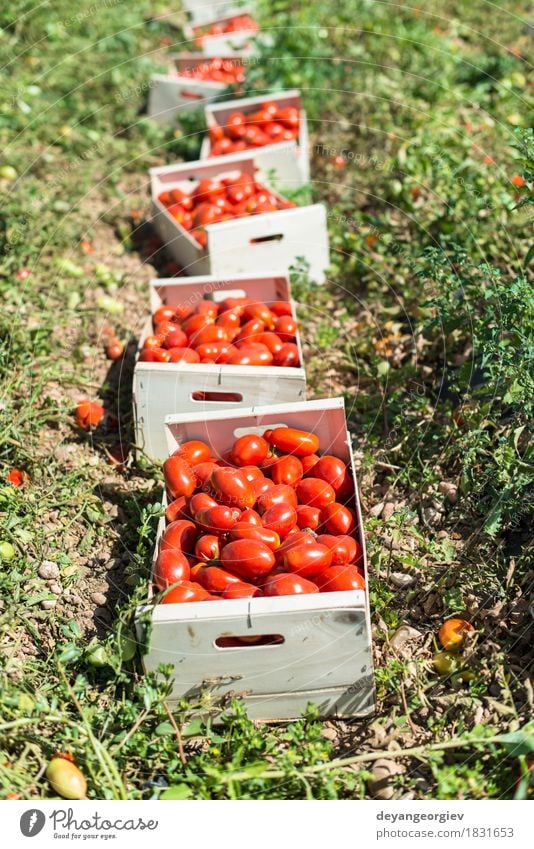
163, 313
201, 500
114, 350
337, 519
247, 558
186, 591
287, 470
315, 493
294, 540
261, 485
286, 328
344, 549
307, 559
206, 307
272, 342
231, 488
203, 472
287, 356
155, 355
170, 567
251, 518
252, 473
250, 449
177, 509
260, 311
251, 331
207, 547
176, 339
340, 579
208, 334
88, 414
217, 520
280, 518
288, 584
215, 579
244, 530
308, 517
308, 463
207, 190
183, 355
240, 590
334, 471
277, 494
178, 196
179, 476
281, 308
254, 354
194, 451
180, 535
151, 342
289, 440
163, 329
228, 319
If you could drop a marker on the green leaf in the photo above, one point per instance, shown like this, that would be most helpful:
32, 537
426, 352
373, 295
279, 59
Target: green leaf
195, 728
518, 743
176, 791
164, 728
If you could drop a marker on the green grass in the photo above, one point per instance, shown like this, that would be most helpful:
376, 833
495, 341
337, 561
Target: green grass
425, 326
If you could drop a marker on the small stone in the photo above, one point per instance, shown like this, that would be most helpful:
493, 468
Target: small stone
449, 490
75, 599
99, 599
329, 734
402, 580
48, 604
56, 589
403, 635
389, 509
377, 509
430, 516
381, 786
48, 570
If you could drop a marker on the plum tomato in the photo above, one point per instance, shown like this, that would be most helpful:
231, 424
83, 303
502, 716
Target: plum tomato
175, 339
293, 540
286, 470
217, 520
250, 449
344, 549
194, 451
156, 355
250, 517
288, 584
170, 567
287, 356
179, 476
315, 493
177, 509
272, 342
307, 559
214, 579
203, 472
334, 471
281, 308
183, 355
247, 558
207, 547
277, 494
185, 591
243, 530
240, 589
280, 518
308, 463
308, 517
337, 519
290, 440
180, 535
286, 328
231, 488
163, 313
252, 473
339, 579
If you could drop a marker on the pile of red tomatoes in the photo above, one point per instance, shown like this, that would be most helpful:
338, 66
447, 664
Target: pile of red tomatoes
238, 23
236, 331
268, 125
269, 518
213, 201
227, 71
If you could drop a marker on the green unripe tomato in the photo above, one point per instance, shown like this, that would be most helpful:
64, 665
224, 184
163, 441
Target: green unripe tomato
7, 552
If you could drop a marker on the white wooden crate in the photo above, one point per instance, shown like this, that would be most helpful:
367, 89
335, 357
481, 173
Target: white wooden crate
202, 11
289, 162
325, 656
226, 43
163, 388
245, 245
172, 94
